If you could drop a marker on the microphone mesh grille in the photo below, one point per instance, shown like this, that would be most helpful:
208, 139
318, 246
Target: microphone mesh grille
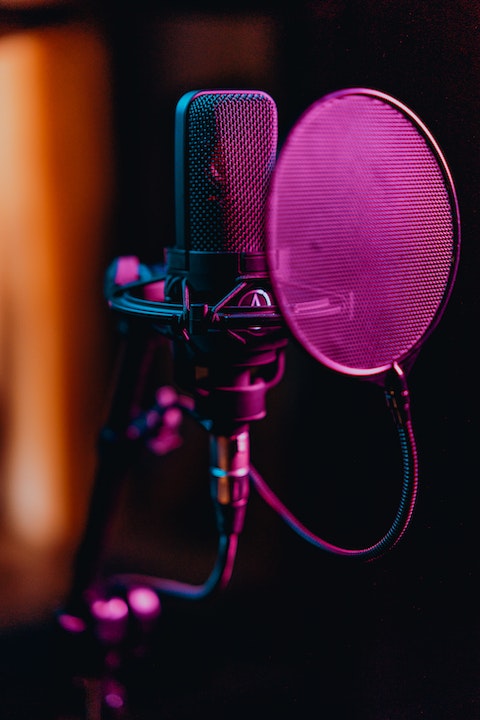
231, 147
362, 231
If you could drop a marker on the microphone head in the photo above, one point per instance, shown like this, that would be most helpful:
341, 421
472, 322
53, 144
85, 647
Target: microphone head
363, 232
225, 150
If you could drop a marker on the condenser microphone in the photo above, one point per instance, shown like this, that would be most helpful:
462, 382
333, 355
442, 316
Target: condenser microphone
225, 152
213, 296
214, 287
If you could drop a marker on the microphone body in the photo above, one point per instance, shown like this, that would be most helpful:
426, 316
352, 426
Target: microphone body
225, 152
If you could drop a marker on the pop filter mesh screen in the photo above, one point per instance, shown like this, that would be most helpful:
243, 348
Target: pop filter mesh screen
362, 231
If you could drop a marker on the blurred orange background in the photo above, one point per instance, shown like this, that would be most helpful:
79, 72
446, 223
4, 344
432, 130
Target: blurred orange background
59, 195
88, 91
56, 189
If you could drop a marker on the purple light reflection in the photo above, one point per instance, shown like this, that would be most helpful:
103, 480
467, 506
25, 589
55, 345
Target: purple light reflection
144, 602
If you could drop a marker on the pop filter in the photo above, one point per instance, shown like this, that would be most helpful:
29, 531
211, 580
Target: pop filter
362, 243
362, 232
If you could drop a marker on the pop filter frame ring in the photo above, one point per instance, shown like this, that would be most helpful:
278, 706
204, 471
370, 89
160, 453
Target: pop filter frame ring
281, 209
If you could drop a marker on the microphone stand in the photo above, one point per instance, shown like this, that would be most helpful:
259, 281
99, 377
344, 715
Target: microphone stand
117, 452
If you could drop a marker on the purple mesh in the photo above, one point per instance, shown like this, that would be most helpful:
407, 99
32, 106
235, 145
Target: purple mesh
362, 231
231, 141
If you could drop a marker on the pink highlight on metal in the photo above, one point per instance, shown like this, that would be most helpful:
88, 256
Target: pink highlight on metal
172, 417
152, 418
144, 603
114, 700
72, 624
155, 291
112, 609
127, 269
112, 617
166, 396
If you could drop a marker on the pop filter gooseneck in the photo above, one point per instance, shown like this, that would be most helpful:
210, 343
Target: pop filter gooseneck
363, 238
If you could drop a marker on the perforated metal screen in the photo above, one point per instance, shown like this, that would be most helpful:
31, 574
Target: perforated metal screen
230, 143
362, 231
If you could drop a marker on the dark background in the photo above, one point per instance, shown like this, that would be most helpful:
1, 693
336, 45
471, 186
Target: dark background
299, 631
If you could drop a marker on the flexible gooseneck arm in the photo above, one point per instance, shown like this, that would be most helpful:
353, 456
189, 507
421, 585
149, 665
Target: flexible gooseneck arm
397, 396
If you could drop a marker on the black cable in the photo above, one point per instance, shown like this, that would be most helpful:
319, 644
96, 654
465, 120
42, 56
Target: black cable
217, 580
398, 399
